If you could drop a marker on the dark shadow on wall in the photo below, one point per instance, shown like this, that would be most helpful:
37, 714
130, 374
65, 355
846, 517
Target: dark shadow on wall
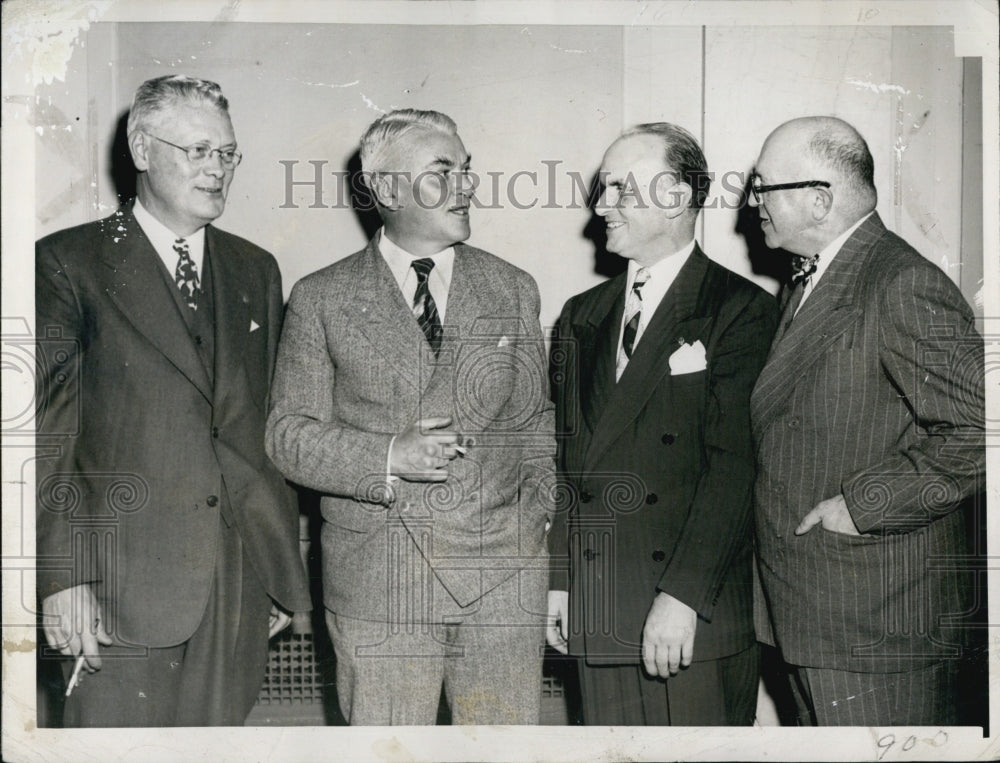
123, 173
362, 201
764, 261
606, 263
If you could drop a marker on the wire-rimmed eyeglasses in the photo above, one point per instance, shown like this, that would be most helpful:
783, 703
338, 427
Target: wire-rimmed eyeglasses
200, 153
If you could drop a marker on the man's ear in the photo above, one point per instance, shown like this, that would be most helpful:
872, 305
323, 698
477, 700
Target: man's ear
672, 196
384, 188
822, 203
138, 146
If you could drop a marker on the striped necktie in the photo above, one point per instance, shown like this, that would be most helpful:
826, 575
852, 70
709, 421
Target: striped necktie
633, 314
424, 308
186, 274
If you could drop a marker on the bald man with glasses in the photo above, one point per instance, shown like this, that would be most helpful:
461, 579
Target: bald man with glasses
868, 421
167, 541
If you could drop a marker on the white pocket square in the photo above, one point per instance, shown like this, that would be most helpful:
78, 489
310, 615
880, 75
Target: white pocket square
504, 341
688, 359
253, 325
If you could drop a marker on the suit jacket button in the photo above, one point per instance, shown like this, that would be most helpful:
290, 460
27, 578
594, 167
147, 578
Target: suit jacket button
198, 340
215, 431
652, 498
658, 556
590, 554
793, 423
212, 500
668, 439
586, 497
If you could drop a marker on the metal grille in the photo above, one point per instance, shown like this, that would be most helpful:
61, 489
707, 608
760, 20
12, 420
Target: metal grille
297, 683
552, 688
292, 676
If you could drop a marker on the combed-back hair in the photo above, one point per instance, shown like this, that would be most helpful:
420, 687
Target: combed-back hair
388, 129
162, 93
682, 155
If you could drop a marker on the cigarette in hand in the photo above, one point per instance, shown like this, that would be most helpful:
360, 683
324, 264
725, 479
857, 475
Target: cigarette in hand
75, 678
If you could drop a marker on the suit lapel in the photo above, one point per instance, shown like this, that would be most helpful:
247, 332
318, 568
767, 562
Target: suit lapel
382, 315
137, 287
602, 344
824, 316
467, 294
232, 311
678, 318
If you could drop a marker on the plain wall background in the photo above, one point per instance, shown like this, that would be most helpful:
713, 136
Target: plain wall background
527, 98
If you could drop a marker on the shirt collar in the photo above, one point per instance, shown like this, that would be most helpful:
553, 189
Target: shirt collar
399, 260
830, 251
661, 273
162, 238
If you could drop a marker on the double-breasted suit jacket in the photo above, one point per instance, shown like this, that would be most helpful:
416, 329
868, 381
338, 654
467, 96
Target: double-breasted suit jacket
656, 471
874, 392
354, 370
140, 444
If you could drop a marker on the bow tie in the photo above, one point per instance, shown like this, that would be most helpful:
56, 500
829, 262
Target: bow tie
803, 268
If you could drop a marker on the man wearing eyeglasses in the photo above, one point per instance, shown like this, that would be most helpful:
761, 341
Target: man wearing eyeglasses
869, 426
167, 542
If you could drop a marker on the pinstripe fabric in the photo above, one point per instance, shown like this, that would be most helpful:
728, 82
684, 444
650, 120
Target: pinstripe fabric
922, 697
875, 392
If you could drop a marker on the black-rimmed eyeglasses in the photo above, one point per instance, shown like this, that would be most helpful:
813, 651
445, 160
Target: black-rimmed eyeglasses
757, 188
200, 153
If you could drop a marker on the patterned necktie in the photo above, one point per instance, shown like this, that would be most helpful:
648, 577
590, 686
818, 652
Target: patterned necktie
633, 313
424, 309
803, 268
186, 274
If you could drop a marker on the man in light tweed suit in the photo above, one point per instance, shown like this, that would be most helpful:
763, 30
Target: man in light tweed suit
411, 391
869, 426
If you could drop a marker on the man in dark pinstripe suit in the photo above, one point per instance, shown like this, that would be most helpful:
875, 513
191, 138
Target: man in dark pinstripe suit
868, 421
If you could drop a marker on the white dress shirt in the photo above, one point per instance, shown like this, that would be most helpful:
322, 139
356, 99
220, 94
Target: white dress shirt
400, 263
661, 276
828, 253
438, 282
162, 239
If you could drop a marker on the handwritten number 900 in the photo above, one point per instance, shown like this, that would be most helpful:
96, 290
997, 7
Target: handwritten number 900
886, 742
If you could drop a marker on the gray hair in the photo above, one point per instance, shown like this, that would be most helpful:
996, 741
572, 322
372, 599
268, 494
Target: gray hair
840, 147
162, 93
387, 130
682, 155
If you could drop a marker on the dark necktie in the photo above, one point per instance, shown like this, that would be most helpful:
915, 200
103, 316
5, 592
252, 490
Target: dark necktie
186, 274
791, 299
634, 310
424, 309
802, 273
